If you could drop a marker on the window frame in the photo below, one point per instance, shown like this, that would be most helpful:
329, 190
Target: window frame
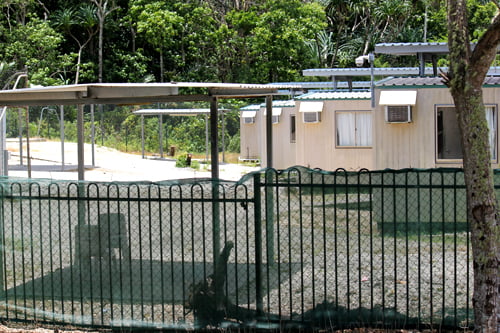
356, 146
293, 128
494, 149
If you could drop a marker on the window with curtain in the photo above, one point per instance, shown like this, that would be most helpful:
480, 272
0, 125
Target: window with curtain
354, 128
449, 145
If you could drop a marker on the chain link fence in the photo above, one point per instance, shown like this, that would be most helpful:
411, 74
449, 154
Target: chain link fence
297, 248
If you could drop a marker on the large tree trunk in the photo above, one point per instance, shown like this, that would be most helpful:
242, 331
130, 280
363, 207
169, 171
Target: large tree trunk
467, 72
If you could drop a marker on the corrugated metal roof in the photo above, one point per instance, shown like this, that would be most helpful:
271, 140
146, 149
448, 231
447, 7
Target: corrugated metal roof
279, 104
327, 84
426, 81
335, 95
385, 71
252, 107
415, 48
411, 48
411, 81
390, 71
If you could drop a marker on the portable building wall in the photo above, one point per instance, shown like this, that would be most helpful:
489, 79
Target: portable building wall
251, 133
421, 142
341, 138
284, 148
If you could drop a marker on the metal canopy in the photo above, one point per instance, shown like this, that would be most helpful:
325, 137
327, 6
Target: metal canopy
415, 48
389, 71
139, 93
132, 93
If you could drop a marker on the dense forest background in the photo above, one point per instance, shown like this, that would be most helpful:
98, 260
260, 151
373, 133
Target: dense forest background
245, 41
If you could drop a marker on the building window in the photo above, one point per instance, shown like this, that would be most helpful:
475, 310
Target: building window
354, 128
292, 128
276, 119
449, 145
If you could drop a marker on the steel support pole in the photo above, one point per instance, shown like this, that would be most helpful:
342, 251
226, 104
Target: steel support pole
61, 131
269, 194
214, 138
160, 130
206, 138
92, 134
269, 131
142, 135
81, 143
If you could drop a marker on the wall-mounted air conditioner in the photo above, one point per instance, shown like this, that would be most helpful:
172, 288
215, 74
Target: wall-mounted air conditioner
397, 114
248, 120
311, 117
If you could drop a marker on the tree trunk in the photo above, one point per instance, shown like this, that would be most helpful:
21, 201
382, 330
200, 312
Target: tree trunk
467, 72
482, 210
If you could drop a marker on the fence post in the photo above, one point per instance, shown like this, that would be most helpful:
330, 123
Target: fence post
269, 195
258, 244
2, 252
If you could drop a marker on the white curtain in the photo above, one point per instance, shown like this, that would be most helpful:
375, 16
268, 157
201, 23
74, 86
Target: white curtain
354, 129
491, 119
364, 129
346, 124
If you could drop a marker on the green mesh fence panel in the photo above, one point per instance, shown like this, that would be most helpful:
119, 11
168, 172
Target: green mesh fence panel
303, 249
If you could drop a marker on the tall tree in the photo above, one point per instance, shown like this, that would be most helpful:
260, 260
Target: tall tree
104, 8
85, 17
158, 24
467, 71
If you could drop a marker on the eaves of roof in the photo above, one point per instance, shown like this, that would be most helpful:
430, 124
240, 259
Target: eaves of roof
336, 95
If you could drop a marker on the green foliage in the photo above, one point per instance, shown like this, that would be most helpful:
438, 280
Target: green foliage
185, 161
34, 46
202, 41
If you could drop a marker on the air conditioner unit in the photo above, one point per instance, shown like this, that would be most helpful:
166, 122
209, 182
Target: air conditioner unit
248, 120
397, 114
311, 117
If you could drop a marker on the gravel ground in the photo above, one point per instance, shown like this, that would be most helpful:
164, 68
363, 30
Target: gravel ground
110, 164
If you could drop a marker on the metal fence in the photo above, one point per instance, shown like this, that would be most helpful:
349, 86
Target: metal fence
298, 248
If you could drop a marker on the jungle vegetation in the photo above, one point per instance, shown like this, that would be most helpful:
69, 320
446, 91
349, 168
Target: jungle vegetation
244, 41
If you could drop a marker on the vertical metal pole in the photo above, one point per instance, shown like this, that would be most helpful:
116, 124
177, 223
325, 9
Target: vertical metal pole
206, 137
269, 194
371, 59
28, 152
258, 245
92, 133
160, 129
214, 144
80, 143
20, 127
223, 138
215, 190
142, 135
3, 137
269, 131
61, 129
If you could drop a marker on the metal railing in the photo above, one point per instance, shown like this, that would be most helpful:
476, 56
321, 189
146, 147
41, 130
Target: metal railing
295, 248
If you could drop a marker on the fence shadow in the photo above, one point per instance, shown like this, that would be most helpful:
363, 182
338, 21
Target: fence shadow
140, 281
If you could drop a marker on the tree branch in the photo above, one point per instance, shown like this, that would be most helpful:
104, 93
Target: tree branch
484, 52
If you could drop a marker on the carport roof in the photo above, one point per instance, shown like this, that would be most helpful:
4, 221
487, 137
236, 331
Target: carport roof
133, 93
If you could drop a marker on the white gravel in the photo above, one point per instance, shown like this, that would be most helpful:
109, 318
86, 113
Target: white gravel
109, 164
